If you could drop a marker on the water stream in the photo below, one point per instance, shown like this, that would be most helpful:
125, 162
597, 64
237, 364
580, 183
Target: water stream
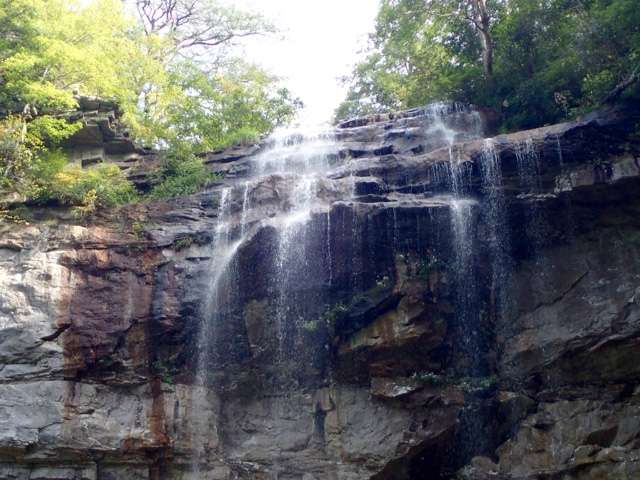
291, 202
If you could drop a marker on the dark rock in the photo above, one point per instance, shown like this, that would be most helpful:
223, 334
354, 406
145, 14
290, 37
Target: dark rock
397, 347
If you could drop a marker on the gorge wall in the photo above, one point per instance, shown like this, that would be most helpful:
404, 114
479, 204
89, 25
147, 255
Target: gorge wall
429, 304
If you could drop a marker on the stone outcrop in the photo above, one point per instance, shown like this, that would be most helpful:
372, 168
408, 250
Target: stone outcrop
102, 137
396, 346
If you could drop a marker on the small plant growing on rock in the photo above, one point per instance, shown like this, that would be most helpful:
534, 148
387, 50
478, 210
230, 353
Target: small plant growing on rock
312, 325
433, 265
381, 283
477, 384
185, 242
12, 216
242, 137
329, 316
429, 378
162, 371
336, 311
138, 230
358, 299
183, 173
182, 243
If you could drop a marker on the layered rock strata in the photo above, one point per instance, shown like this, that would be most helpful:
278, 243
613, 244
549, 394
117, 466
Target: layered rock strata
481, 326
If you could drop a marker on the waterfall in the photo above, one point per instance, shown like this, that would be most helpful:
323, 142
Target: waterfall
291, 265
291, 160
222, 254
528, 161
302, 200
301, 151
464, 243
560, 158
496, 221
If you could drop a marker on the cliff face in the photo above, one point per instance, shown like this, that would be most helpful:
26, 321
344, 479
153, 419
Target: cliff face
428, 305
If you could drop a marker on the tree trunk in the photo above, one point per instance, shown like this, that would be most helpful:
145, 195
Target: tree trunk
482, 21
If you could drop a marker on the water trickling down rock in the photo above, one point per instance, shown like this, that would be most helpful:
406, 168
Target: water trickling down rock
397, 297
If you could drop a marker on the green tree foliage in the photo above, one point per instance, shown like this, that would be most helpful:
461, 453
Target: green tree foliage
169, 68
420, 51
208, 108
16, 153
550, 59
201, 95
183, 173
564, 57
98, 186
60, 46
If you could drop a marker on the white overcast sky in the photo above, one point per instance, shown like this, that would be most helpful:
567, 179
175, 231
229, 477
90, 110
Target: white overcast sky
322, 39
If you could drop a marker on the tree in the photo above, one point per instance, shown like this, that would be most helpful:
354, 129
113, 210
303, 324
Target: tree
154, 65
168, 69
60, 46
202, 93
416, 54
197, 26
542, 60
475, 12
207, 110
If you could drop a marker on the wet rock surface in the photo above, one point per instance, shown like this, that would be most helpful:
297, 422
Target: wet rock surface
407, 343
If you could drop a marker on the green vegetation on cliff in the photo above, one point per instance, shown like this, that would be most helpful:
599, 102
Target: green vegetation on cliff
535, 62
166, 63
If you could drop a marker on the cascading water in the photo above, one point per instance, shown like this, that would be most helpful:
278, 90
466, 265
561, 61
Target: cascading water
293, 160
528, 166
223, 251
496, 221
303, 152
304, 197
291, 264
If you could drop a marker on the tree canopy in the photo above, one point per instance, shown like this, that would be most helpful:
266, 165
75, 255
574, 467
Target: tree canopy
169, 59
168, 63
534, 61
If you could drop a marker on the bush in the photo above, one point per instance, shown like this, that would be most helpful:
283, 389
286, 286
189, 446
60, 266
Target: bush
244, 136
100, 186
183, 174
44, 168
52, 130
16, 155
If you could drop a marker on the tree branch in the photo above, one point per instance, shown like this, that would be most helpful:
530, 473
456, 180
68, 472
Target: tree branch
621, 87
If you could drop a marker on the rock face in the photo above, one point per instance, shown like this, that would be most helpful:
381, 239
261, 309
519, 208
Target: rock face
429, 304
102, 138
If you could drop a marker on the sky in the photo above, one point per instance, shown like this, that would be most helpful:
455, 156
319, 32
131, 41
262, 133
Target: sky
322, 38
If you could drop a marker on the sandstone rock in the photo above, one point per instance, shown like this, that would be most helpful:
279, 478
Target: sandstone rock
101, 323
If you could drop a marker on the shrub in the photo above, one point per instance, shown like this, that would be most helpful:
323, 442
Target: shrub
183, 174
16, 153
478, 384
244, 136
162, 371
100, 186
52, 130
44, 168
428, 378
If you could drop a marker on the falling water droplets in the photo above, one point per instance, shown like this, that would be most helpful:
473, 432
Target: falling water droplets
245, 207
301, 151
292, 169
560, 159
528, 161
